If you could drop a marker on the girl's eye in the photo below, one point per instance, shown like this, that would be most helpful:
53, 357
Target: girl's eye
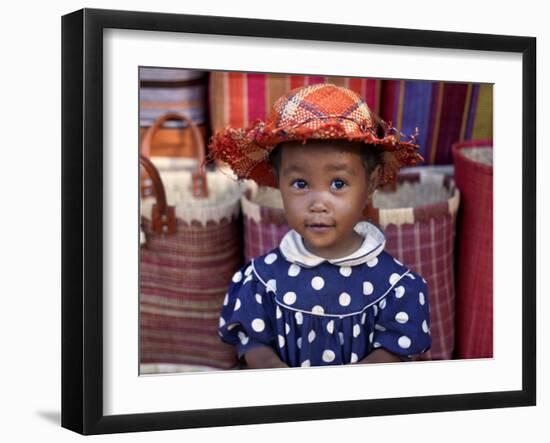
299, 184
337, 184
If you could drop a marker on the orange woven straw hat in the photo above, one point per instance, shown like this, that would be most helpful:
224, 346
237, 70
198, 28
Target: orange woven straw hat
320, 112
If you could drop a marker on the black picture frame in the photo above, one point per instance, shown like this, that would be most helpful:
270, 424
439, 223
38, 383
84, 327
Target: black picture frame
82, 218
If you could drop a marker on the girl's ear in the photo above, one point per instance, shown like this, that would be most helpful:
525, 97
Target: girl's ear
374, 181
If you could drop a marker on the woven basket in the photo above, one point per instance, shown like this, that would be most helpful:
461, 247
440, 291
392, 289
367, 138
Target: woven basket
474, 303
420, 232
421, 235
192, 247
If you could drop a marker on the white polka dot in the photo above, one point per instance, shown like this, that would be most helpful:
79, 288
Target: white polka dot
401, 317
278, 312
222, 322
382, 303
226, 299
248, 270
404, 342
319, 310
237, 304
272, 285
421, 298
399, 291
247, 279
306, 364
341, 337
345, 271
371, 337
270, 258
237, 277
375, 310
293, 270
287, 328
328, 356
379, 327
356, 330
330, 326
368, 288
317, 283
311, 336
299, 343
411, 276
398, 262
424, 280
372, 262
376, 344
344, 299
258, 324
259, 298
363, 318
299, 318
394, 278
243, 337
281, 341
354, 358
289, 298
425, 327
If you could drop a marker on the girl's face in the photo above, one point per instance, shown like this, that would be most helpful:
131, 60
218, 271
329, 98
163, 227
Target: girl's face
325, 188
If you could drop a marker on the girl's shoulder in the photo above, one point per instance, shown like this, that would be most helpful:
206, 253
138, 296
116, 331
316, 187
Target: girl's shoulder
400, 276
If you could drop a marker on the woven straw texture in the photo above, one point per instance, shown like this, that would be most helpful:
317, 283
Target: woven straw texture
313, 112
474, 304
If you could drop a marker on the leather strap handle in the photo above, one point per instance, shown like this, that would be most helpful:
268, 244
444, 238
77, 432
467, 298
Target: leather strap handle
198, 178
163, 216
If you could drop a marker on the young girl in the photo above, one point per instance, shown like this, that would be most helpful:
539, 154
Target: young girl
329, 294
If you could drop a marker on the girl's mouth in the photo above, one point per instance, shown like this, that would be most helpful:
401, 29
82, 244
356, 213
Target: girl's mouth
319, 227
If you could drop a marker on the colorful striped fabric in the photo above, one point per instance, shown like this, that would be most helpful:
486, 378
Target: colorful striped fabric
444, 112
237, 99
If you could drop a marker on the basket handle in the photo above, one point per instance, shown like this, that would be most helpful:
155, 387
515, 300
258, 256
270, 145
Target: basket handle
198, 178
163, 216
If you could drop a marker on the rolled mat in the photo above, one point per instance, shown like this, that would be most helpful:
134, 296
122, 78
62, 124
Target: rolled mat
474, 303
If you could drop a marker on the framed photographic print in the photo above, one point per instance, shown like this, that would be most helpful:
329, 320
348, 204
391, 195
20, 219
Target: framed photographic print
157, 233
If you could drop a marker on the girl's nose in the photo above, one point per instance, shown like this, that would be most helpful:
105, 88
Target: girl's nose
318, 205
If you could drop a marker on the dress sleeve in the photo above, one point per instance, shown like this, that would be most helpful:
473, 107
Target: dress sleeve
247, 317
402, 323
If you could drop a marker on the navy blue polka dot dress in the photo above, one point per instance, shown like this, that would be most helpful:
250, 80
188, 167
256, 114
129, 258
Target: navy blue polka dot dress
313, 311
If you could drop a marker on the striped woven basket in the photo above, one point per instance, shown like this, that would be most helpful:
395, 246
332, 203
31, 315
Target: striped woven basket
418, 217
420, 223
474, 303
192, 247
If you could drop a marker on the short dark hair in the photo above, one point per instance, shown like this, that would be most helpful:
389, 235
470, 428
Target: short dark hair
371, 155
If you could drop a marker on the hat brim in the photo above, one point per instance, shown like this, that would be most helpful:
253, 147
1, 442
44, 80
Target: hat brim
247, 151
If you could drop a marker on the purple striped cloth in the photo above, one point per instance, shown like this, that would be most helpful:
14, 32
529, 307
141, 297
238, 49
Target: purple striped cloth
443, 112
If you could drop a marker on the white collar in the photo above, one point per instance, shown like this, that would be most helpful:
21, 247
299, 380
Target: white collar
294, 250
